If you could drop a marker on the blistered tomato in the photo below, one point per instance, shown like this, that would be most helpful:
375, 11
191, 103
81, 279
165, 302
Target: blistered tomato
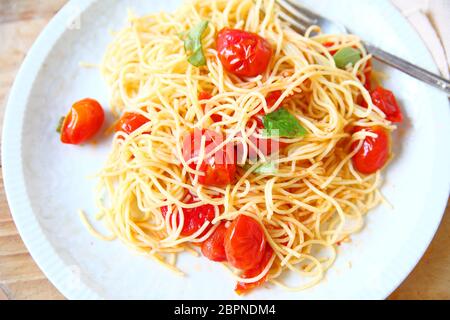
374, 152
83, 121
243, 53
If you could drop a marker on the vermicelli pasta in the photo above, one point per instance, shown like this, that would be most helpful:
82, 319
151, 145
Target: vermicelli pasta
310, 198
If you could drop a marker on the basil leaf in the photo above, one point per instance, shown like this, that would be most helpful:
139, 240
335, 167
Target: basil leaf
282, 124
193, 44
60, 124
267, 168
346, 56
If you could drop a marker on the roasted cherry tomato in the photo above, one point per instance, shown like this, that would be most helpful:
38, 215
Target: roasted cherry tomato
213, 248
194, 218
386, 102
82, 122
243, 53
329, 45
130, 122
206, 96
272, 98
368, 76
245, 243
220, 168
374, 152
242, 287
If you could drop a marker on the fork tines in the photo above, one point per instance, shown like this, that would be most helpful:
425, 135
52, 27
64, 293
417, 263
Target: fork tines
297, 16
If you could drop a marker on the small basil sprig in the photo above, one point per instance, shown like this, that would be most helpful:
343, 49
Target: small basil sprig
346, 56
267, 168
281, 123
193, 44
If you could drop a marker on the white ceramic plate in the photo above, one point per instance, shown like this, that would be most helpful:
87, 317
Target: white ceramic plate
46, 181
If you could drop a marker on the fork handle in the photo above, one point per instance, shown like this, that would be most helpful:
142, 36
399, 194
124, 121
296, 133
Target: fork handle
409, 68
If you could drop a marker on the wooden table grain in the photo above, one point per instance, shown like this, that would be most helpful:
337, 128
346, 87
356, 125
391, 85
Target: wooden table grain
20, 23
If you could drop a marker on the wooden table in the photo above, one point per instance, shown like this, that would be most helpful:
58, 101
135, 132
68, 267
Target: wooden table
20, 278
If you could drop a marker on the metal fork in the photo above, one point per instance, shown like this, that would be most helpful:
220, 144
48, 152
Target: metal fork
301, 18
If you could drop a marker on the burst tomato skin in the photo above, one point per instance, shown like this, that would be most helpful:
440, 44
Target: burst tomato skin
243, 53
204, 96
243, 288
83, 121
130, 122
329, 45
368, 76
386, 102
193, 218
220, 168
272, 98
213, 248
374, 152
245, 243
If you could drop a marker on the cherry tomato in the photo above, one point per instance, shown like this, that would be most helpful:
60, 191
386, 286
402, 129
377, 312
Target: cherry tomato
374, 152
130, 122
243, 53
242, 287
194, 218
368, 76
272, 98
82, 122
220, 168
329, 45
213, 248
245, 243
386, 102
206, 96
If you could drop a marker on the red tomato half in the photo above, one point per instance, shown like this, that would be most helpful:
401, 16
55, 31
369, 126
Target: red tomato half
243, 288
213, 248
243, 53
220, 168
272, 98
329, 45
368, 76
245, 243
82, 122
386, 102
204, 96
374, 152
194, 218
130, 122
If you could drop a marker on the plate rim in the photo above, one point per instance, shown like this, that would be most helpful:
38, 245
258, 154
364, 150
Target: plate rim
26, 220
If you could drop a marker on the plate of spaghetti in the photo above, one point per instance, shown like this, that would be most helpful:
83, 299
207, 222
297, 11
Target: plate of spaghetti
205, 149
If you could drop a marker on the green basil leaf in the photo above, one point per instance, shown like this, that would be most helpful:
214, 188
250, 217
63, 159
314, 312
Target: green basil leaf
346, 56
281, 123
264, 168
193, 44
267, 168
